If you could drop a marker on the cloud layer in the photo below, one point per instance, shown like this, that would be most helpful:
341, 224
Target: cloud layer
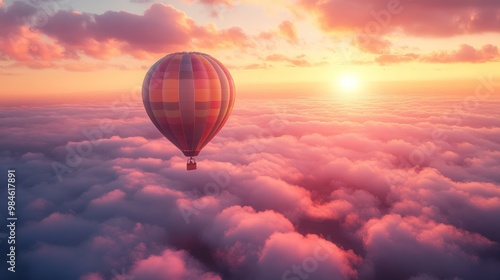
332, 188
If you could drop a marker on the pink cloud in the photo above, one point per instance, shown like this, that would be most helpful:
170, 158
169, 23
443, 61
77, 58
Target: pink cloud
287, 189
113, 196
288, 255
218, 7
239, 223
19, 42
465, 53
257, 66
373, 44
394, 236
299, 60
286, 31
171, 265
162, 28
396, 58
92, 276
218, 2
239, 233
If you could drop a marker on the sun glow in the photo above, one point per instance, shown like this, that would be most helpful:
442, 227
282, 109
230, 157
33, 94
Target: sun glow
348, 82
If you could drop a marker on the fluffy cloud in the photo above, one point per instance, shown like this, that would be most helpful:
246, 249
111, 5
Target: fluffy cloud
171, 265
18, 41
286, 31
289, 31
466, 53
377, 24
402, 247
37, 38
319, 188
420, 18
218, 7
372, 44
311, 256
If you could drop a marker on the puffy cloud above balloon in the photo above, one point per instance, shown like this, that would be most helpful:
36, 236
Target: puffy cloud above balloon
19, 42
376, 25
37, 37
288, 29
310, 256
464, 54
159, 29
171, 265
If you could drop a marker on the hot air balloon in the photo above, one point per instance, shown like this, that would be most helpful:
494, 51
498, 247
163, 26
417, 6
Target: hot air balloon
188, 96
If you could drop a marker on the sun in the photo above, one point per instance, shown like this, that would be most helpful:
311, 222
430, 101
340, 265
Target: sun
348, 82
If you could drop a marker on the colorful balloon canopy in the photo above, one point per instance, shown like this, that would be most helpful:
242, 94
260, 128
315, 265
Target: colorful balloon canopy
189, 97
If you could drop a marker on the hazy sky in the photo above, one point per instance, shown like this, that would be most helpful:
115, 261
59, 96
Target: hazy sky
54, 50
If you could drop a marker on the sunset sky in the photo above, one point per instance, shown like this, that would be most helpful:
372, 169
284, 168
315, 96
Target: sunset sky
63, 50
363, 143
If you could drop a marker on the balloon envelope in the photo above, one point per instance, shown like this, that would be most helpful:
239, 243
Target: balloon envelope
189, 97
